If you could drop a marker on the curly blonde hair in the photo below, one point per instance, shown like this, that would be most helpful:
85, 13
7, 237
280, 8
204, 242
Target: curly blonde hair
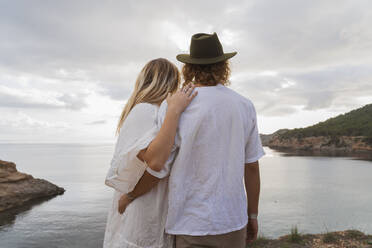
208, 75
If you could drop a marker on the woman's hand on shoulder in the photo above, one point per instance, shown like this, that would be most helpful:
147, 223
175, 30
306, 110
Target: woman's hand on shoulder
179, 101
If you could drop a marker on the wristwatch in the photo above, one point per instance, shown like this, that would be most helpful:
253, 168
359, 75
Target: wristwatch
252, 216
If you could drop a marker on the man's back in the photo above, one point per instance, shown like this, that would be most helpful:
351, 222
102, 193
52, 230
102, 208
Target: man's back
217, 135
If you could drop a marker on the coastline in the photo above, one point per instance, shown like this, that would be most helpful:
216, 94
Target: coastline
358, 147
359, 155
338, 239
18, 189
322, 143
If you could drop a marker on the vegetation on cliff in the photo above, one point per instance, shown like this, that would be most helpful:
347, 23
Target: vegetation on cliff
342, 239
357, 122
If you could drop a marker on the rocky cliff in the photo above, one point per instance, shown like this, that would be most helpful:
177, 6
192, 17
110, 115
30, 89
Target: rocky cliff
18, 188
266, 138
321, 143
349, 132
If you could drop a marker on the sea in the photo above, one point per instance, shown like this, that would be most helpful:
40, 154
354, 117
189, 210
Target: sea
316, 194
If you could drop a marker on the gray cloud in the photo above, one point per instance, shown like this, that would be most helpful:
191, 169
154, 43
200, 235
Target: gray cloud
292, 55
73, 101
98, 122
278, 94
15, 98
103, 38
90, 34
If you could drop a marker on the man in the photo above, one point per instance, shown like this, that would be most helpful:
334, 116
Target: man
214, 182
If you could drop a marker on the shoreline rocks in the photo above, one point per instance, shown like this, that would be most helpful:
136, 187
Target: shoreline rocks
266, 138
17, 188
322, 143
346, 144
342, 239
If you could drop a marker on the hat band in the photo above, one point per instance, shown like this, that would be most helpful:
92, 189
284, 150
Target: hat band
204, 56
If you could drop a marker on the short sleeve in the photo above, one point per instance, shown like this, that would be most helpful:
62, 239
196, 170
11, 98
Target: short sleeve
253, 148
165, 171
137, 132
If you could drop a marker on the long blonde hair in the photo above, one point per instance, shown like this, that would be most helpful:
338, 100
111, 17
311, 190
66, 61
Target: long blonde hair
157, 78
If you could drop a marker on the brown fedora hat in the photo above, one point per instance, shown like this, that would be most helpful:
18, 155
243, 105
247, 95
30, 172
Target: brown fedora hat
205, 49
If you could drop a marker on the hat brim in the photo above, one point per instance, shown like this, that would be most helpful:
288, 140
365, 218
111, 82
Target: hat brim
185, 58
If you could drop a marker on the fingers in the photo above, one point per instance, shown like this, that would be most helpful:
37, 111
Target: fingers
193, 95
182, 98
190, 90
122, 204
250, 238
120, 209
186, 88
251, 234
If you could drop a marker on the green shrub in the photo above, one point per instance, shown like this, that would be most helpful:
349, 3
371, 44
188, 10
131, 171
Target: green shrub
357, 122
354, 234
295, 236
329, 238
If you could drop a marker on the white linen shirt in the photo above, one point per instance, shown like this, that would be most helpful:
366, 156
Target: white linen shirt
217, 135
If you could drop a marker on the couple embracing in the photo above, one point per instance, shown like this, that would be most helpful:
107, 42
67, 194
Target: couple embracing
185, 168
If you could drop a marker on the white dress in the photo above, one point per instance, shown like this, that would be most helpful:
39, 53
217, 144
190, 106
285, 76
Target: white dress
143, 222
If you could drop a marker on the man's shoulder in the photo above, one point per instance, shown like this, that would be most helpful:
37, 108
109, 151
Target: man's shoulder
240, 98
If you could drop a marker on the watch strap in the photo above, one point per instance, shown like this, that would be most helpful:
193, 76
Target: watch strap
252, 216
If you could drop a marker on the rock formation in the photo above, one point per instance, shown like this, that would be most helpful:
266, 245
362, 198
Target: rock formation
320, 143
349, 132
341, 239
18, 188
266, 138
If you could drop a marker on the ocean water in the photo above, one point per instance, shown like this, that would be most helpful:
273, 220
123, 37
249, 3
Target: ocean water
317, 194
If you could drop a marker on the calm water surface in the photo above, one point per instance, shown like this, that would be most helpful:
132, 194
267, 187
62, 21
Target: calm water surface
317, 194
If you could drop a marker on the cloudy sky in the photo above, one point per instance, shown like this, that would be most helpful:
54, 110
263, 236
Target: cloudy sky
67, 67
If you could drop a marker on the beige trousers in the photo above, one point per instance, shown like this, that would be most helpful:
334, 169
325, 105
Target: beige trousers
236, 239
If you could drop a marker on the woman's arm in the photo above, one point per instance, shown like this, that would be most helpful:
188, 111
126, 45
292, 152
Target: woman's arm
157, 153
144, 185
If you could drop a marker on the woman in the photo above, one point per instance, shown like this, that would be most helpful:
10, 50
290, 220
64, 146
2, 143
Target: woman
141, 144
